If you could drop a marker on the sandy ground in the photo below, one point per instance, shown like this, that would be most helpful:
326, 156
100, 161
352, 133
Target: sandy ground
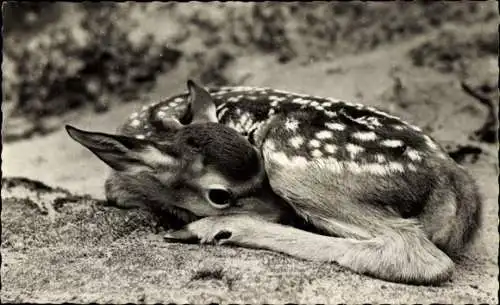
61, 243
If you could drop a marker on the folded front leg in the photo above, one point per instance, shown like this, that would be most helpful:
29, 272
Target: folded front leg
405, 256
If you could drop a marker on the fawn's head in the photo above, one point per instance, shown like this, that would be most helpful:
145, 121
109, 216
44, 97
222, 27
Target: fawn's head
203, 168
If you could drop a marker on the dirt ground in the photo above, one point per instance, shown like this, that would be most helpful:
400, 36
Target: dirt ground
62, 243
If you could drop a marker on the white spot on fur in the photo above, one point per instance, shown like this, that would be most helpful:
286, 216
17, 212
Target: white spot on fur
353, 149
248, 122
370, 122
222, 112
375, 168
413, 154
244, 118
135, 123
275, 98
178, 100
300, 101
335, 126
429, 142
297, 141
314, 104
330, 148
140, 136
392, 143
412, 167
234, 98
372, 168
398, 127
291, 124
327, 104
160, 114
330, 114
274, 104
314, 143
380, 158
134, 115
396, 166
331, 164
316, 153
365, 136
416, 128
220, 92
373, 121
324, 134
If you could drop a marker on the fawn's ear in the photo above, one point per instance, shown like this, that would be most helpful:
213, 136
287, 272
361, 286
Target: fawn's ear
202, 105
120, 152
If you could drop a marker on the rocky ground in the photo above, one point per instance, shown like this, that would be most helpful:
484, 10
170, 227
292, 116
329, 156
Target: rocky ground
434, 65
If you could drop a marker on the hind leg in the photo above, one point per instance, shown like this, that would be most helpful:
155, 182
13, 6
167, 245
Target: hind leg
453, 214
377, 240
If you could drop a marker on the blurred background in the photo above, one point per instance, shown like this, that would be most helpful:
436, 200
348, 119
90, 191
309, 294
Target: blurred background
59, 57
92, 64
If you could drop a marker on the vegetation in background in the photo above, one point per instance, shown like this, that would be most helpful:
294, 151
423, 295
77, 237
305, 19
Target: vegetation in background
62, 56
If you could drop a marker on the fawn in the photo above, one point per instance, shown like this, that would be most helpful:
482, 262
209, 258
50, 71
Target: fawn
311, 177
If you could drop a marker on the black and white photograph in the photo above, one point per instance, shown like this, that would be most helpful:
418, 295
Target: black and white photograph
325, 152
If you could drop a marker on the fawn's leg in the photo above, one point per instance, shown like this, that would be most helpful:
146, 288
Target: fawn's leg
378, 241
407, 257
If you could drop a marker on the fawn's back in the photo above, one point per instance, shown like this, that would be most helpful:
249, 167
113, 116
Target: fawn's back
314, 127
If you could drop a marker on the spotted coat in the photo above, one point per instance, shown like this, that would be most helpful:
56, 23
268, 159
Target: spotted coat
354, 136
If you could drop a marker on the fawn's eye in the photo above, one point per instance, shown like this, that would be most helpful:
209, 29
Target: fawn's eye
219, 198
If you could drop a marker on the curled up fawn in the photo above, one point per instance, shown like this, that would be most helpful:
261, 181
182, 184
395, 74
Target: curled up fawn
311, 177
